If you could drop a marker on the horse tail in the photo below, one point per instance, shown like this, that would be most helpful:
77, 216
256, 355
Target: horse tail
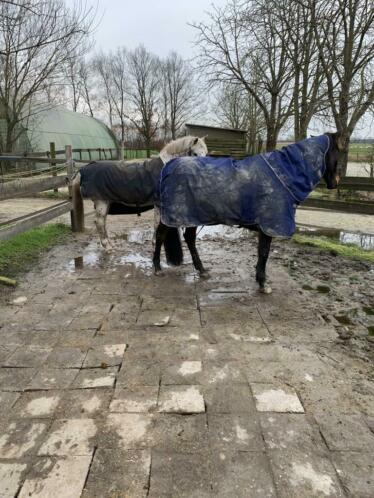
173, 247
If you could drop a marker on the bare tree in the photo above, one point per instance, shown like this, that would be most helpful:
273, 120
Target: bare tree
242, 44
235, 108
180, 97
344, 32
143, 93
37, 40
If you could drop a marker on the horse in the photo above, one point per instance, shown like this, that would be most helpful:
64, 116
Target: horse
128, 187
259, 193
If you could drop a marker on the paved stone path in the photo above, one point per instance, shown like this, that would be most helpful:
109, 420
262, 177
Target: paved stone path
116, 383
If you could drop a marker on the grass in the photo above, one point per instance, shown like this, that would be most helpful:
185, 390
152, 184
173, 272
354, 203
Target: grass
18, 253
50, 194
345, 250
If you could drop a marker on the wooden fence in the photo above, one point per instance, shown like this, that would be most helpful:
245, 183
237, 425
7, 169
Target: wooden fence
28, 186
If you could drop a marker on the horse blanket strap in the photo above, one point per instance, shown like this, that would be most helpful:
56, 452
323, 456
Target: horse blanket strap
132, 184
262, 190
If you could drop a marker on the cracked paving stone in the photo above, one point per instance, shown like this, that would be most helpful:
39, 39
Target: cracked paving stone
273, 398
66, 358
225, 397
108, 354
139, 399
181, 399
185, 372
127, 431
356, 472
242, 474
10, 478
15, 379
48, 378
128, 477
304, 474
95, 377
82, 339
37, 404
234, 432
284, 431
28, 356
21, 438
345, 432
64, 478
7, 400
179, 475
70, 437
84, 403
86, 322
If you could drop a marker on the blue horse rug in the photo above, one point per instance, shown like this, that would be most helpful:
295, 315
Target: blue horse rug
262, 190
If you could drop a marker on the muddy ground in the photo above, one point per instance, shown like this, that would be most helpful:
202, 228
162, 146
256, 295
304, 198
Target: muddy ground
124, 383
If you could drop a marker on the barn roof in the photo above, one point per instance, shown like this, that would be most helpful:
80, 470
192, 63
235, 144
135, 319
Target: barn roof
65, 127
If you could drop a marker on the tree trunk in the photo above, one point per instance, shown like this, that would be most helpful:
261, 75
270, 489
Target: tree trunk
271, 137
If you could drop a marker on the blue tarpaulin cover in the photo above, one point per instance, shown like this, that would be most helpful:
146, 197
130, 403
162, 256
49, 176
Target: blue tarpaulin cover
262, 190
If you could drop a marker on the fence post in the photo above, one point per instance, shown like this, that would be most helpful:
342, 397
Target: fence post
52, 153
122, 151
77, 211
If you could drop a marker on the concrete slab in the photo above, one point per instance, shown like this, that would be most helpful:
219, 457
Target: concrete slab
127, 431
181, 399
356, 471
234, 432
70, 437
242, 474
284, 431
78, 403
273, 398
95, 377
10, 478
346, 432
139, 399
7, 400
64, 478
302, 474
108, 354
180, 433
48, 378
181, 372
224, 397
139, 373
21, 438
129, 474
39, 404
179, 474
66, 358
15, 379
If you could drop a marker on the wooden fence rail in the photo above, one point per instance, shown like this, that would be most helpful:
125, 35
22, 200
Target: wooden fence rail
29, 186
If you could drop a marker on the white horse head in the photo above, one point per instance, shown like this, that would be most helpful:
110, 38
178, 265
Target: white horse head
185, 146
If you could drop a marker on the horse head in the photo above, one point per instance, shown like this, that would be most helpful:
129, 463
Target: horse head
332, 173
198, 147
185, 146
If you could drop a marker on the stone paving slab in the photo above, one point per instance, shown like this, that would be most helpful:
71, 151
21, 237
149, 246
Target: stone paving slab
116, 383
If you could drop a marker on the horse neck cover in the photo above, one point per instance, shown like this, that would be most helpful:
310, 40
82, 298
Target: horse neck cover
262, 190
132, 184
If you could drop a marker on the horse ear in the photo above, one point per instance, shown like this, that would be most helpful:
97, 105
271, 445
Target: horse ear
196, 140
204, 137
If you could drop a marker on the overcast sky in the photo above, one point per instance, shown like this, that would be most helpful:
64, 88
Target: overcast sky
160, 25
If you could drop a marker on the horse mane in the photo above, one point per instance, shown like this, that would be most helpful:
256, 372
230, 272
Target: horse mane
179, 145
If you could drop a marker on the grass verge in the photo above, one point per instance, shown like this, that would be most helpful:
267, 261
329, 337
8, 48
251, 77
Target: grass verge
346, 250
18, 253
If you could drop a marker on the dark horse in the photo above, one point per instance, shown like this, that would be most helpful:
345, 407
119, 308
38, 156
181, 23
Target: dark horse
259, 193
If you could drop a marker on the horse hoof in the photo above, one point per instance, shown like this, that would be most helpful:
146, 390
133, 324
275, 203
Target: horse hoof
266, 290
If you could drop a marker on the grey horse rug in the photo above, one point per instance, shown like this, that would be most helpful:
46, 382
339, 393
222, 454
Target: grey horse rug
129, 187
261, 191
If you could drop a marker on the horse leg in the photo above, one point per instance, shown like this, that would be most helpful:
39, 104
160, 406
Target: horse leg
161, 232
264, 242
101, 210
190, 238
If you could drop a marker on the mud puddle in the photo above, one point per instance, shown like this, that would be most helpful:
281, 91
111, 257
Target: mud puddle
363, 240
